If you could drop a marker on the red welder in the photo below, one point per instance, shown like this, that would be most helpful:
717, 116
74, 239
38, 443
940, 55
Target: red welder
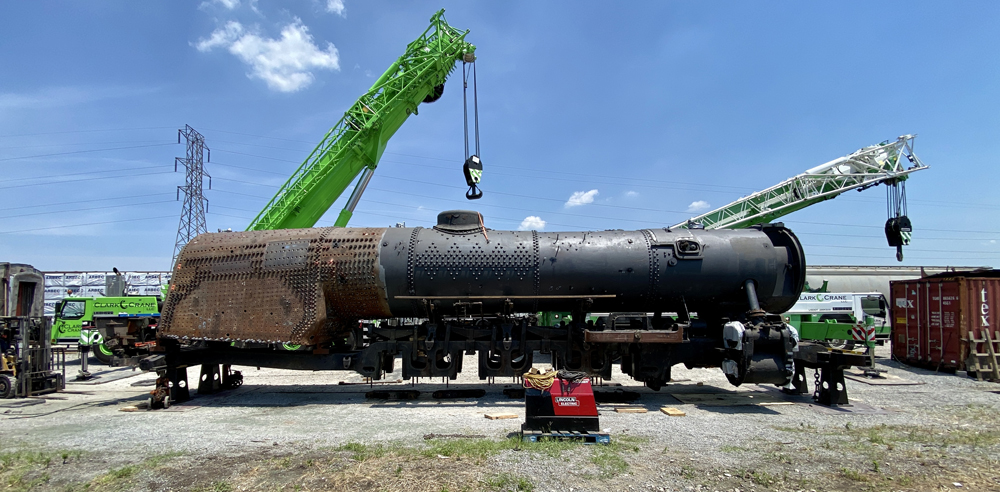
566, 407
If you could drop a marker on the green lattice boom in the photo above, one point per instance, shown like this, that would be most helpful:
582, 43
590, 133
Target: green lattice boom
870, 166
358, 140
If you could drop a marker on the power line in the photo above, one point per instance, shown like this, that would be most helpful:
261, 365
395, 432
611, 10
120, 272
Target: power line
560, 173
85, 179
260, 136
649, 223
87, 224
83, 152
84, 209
241, 194
529, 210
907, 249
78, 174
250, 169
227, 215
597, 204
496, 192
920, 238
566, 173
563, 179
87, 201
933, 258
793, 221
86, 131
74, 143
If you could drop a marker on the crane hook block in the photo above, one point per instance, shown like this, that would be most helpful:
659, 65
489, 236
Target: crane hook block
898, 230
897, 233
473, 169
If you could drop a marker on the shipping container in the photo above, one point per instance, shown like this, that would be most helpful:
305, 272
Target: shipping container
934, 318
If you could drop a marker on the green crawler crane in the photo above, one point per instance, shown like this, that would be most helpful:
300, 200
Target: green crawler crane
356, 143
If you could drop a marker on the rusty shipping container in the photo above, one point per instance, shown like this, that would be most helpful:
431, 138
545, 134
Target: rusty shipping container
934, 318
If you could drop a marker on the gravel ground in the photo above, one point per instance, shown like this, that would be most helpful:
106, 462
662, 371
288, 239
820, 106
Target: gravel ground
305, 431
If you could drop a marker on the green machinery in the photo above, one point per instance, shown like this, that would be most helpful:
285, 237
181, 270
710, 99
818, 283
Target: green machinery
884, 163
356, 143
844, 318
76, 318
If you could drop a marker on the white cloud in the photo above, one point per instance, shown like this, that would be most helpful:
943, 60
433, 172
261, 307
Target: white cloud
285, 64
698, 206
336, 7
581, 198
227, 4
222, 36
631, 194
531, 223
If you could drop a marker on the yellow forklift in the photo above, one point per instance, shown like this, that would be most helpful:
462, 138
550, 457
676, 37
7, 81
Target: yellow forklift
27, 361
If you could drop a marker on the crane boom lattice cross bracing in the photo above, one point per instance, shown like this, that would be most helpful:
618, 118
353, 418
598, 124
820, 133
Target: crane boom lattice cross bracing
358, 140
885, 163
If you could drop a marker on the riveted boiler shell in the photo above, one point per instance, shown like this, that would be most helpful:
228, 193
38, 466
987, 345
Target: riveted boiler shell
616, 270
293, 286
308, 286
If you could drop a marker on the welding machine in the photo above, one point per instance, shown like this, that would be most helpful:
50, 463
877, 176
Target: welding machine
563, 404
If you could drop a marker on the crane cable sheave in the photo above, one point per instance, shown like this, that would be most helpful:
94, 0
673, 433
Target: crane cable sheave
358, 140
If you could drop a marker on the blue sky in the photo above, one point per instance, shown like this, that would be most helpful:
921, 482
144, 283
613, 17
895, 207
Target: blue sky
656, 105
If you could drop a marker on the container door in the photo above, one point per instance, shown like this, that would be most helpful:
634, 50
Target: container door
933, 328
952, 353
982, 303
911, 303
898, 318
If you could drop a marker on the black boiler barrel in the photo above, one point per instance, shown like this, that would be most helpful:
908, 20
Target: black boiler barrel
646, 270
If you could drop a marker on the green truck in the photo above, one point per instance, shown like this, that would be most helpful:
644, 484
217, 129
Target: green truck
78, 319
842, 318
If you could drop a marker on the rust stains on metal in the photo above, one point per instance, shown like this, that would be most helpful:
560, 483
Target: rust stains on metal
300, 286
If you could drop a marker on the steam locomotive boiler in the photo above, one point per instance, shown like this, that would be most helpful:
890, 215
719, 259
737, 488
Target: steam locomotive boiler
364, 299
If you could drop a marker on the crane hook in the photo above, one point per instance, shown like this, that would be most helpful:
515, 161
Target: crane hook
473, 169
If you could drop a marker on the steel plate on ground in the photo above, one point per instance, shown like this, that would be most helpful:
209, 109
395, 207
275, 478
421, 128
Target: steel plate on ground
726, 399
883, 380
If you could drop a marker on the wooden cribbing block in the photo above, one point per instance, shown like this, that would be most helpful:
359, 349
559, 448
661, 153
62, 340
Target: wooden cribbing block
631, 410
672, 412
501, 416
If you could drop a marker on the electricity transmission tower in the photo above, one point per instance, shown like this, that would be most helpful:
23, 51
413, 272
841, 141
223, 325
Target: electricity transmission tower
193, 212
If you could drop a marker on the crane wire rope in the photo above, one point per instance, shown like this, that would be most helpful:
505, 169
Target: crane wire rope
473, 167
